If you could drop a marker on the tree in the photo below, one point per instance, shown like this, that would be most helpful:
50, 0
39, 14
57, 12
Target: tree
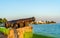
1, 20
4, 20
53, 22
47, 22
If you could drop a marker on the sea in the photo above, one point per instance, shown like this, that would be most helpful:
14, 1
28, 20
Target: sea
47, 29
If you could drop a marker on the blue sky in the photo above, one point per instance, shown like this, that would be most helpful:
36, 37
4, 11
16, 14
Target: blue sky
12, 9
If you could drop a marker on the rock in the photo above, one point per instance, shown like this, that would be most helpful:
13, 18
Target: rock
2, 35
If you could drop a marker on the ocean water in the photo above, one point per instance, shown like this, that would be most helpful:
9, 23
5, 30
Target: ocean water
47, 29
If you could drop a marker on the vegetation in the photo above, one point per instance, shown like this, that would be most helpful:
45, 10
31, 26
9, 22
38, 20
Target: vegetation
3, 20
4, 30
28, 35
31, 35
49, 22
41, 36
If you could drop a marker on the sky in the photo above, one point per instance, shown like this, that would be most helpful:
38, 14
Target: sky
41, 9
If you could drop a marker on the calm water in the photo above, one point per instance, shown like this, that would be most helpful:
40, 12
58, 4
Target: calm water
47, 29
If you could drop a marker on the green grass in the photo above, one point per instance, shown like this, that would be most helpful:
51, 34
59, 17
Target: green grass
28, 35
41, 36
4, 30
31, 35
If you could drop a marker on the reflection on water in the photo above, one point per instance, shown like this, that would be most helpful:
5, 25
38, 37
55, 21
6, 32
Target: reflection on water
47, 29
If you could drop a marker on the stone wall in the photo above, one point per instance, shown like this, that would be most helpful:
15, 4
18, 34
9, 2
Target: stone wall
20, 32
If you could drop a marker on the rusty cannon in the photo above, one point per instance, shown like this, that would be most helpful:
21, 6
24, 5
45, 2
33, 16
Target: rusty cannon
20, 28
19, 23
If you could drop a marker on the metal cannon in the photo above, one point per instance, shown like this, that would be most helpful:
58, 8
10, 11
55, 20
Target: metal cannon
19, 23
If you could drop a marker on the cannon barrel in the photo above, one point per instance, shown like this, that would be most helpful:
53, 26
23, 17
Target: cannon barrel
20, 22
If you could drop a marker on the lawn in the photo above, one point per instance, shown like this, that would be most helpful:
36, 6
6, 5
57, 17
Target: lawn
31, 35
4, 30
41, 36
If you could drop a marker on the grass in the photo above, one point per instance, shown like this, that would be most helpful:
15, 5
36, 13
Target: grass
31, 35
41, 36
28, 35
4, 30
